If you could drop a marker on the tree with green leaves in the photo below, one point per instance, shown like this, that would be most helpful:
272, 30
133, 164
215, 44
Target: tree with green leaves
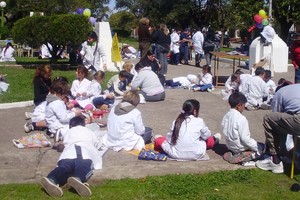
17, 9
58, 30
123, 22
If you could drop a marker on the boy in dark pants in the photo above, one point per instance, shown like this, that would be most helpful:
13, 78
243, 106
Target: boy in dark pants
77, 161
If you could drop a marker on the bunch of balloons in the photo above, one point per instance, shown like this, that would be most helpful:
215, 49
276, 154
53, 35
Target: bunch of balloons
87, 13
261, 19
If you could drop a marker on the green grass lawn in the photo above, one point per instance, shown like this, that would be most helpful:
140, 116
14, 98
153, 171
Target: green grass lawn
231, 185
20, 82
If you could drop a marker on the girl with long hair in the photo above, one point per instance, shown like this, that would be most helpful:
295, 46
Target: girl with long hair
189, 137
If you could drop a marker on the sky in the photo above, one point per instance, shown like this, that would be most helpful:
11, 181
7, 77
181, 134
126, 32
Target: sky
111, 4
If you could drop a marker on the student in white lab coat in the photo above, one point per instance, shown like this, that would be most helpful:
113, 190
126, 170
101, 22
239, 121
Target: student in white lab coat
242, 148
198, 40
77, 161
7, 54
57, 115
125, 127
81, 89
189, 137
256, 90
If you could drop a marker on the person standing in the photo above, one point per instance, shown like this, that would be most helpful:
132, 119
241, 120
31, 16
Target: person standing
209, 46
184, 45
162, 39
295, 55
144, 36
175, 55
94, 56
198, 40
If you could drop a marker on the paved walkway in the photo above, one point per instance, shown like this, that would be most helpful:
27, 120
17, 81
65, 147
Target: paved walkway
29, 165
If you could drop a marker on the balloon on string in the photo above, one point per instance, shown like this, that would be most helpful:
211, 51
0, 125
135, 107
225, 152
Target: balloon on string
262, 13
257, 18
92, 20
79, 11
265, 22
87, 12
259, 25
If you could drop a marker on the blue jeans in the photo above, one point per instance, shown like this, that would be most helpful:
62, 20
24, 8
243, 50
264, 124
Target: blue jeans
203, 88
297, 75
77, 167
147, 135
98, 101
185, 51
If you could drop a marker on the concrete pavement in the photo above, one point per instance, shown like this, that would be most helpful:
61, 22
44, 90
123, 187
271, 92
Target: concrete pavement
29, 165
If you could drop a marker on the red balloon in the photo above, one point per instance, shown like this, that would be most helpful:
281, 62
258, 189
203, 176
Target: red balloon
257, 18
251, 28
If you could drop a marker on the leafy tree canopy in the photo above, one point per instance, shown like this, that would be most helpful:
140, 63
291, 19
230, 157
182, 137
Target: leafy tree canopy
58, 30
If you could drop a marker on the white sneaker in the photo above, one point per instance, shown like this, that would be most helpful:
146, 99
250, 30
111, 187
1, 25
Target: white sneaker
268, 164
51, 188
248, 164
81, 188
251, 107
28, 115
28, 127
196, 89
217, 137
157, 136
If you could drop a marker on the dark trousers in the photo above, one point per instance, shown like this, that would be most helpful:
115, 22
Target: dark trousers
198, 58
297, 75
77, 167
184, 50
98, 101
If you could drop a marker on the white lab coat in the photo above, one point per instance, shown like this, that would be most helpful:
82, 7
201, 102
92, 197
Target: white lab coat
270, 87
57, 116
204, 79
236, 132
80, 87
87, 140
191, 143
93, 56
244, 78
45, 53
174, 42
198, 40
39, 112
229, 88
8, 55
124, 131
256, 90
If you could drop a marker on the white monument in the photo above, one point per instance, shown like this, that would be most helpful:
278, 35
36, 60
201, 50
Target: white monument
105, 38
276, 53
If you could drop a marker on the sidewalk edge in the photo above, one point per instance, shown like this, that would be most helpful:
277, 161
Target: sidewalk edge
16, 104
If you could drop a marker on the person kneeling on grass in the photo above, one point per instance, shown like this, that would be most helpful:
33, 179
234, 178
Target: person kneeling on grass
75, 164
242, 148
189, 137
